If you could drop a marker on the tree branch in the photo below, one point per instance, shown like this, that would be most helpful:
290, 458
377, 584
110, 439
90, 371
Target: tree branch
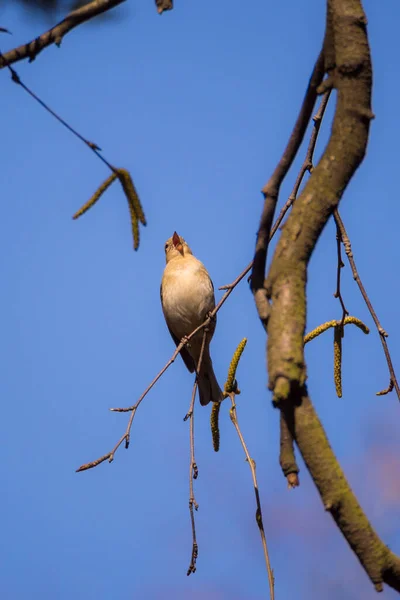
259, 517
307, 163
378, 561
347, 59
231, 390
132, 409
287, 458
193, 469
271, 189
345, 150
55, 34
393, 383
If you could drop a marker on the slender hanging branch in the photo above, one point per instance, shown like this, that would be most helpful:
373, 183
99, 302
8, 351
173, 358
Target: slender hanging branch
193, 469
340, 266
393, 383
124, 177
231, 390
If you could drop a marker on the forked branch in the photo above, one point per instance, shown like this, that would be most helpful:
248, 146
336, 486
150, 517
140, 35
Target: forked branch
347, 60
132, 409
393, 383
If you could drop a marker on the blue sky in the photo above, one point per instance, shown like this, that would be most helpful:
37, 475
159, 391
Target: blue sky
198, 104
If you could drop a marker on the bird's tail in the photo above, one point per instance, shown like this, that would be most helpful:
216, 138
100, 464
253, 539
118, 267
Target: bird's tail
208, 385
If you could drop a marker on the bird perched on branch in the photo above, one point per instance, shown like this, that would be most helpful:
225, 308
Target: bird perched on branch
187, 297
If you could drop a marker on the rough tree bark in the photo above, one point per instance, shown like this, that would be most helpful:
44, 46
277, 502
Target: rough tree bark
348, 65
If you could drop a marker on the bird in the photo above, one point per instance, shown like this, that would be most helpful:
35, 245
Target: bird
187, 298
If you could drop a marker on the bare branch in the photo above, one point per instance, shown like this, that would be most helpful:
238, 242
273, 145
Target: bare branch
379, 562
259, 518
124, 177
231, 390
382, 333
340, 266
193, 470
287, 458
347, 59
307, 165
320, 196
56, 34
271, 189
184, 341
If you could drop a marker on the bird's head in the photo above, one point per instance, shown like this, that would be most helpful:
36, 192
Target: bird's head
176, 247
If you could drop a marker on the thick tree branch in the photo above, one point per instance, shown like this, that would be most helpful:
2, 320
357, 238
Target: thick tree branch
286, 281
381, 565
347, 59
55, 34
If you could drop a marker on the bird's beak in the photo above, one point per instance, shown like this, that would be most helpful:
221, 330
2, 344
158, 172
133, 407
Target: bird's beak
176, 240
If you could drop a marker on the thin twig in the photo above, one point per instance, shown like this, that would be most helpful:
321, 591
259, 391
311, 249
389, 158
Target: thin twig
132, 410
271, 189
231, 390
340, 266
55, 34
382, 333
94, 147
259, 519
183, 342
307, 164
135, 208
234, 283
193, 469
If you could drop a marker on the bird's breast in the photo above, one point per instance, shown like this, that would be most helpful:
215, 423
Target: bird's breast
187, 295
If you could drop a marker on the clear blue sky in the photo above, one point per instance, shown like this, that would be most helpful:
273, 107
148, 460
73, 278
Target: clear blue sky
198, 104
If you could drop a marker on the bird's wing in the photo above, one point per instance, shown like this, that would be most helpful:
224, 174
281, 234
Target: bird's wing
187, 359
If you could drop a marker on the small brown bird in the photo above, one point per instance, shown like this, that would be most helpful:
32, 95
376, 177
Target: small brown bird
187, 296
